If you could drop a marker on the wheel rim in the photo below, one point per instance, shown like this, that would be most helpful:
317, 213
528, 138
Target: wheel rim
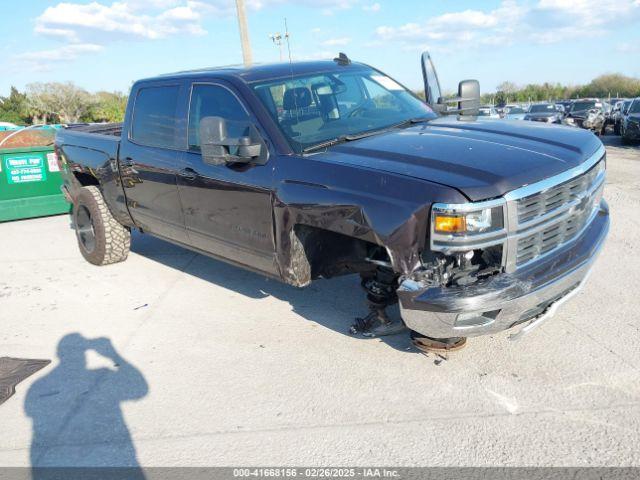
84, 229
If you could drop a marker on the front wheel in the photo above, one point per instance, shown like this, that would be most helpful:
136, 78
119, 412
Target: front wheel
101, 238
603, 131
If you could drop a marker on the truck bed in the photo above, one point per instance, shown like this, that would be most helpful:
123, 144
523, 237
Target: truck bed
90, 145
111, 129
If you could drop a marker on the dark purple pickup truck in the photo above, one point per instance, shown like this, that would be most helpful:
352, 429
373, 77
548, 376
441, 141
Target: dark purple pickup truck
317, 169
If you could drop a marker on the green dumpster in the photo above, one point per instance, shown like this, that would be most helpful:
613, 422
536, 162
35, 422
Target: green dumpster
30, 178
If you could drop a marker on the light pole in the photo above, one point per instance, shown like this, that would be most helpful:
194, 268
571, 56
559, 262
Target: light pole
276, 38
244, 33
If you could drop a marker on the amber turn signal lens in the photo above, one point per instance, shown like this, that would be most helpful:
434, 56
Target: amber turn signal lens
450, 224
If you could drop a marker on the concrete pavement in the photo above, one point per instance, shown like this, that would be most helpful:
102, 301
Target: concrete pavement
212, 365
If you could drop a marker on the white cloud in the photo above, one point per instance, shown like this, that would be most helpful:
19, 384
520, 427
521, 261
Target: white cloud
78, 23
544, 22
375, 7
95, 21
628, 47
43, 60
334, 42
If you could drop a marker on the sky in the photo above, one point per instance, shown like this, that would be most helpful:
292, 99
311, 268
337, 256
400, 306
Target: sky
106, 44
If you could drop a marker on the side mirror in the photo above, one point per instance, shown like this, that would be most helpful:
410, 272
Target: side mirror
469, 97
467, 102
218, 148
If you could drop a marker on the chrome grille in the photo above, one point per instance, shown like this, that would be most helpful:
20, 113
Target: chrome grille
557, 233
550, 218
543, 203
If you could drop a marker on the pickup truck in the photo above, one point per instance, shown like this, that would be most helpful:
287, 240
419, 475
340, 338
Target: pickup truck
310, 170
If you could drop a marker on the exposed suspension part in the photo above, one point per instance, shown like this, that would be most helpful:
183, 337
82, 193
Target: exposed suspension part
380, 287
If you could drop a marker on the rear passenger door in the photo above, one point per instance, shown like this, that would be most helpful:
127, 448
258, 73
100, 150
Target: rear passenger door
227, 208
150, 157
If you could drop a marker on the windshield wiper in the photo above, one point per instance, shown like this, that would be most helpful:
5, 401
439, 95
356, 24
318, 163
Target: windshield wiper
410, 121
356, 136
327, 143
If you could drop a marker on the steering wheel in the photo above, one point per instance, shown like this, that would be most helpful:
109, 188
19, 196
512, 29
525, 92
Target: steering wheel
356, 111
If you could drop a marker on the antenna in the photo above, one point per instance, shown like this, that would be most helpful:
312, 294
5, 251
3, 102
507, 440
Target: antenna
286, 37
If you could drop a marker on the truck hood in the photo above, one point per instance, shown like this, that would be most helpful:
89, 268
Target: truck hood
482, 160
541, 115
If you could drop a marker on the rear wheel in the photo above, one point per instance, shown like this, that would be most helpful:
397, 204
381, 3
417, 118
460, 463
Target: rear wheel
101, 238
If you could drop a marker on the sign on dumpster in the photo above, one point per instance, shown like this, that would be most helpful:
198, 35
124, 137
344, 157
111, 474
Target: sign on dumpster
25, 168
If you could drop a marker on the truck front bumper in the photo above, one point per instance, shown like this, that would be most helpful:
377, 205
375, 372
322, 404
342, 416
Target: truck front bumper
632, 132
504, 300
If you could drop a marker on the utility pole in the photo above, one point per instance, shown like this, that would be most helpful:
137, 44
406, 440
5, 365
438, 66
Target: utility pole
244, 33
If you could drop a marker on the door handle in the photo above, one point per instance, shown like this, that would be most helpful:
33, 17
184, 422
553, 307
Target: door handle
188, 173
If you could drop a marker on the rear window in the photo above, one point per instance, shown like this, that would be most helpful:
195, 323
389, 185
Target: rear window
154, 116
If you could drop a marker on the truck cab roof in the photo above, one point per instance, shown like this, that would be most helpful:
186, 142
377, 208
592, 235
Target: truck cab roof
260, 72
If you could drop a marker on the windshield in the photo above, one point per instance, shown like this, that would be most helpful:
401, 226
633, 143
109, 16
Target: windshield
514, 110
545, 107
578, 106
314, 109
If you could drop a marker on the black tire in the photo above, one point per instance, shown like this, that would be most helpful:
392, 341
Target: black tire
101, 238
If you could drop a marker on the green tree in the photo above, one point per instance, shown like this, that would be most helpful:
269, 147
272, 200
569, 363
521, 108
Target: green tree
64, 102
614, 85
14, 108
108, 107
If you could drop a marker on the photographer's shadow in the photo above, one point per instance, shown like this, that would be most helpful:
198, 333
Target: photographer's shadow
76, 411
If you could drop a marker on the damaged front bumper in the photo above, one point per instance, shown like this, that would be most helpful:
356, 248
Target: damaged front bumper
632, 132
506, 299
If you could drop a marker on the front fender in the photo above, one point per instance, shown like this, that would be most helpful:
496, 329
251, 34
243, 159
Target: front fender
385, 209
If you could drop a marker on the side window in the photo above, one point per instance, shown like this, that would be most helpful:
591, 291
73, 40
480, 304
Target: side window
215, 101
154, 116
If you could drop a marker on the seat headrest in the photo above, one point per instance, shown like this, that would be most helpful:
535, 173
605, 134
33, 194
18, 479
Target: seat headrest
299, 97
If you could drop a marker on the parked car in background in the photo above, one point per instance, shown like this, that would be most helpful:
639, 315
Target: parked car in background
607, 108
620, 110
514, 112
565, 104
544, 112
630, 125
488, 111
586, 113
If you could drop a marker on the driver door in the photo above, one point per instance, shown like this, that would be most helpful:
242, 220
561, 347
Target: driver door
227, 207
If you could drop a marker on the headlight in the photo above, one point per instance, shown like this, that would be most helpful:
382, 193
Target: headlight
450, 221
467, 226
569, 121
